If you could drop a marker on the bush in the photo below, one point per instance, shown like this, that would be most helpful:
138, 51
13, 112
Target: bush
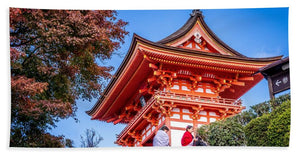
265, 124
256, 131
223, 133
271, 129
279, 128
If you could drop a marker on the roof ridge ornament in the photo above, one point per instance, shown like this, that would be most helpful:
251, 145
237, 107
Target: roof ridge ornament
196, 12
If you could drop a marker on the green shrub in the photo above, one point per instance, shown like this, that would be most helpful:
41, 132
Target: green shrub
279, 128
223, 133
271, 129
265, 124
256, 131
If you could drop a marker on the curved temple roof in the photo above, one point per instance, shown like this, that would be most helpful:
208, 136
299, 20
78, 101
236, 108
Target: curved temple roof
196, 16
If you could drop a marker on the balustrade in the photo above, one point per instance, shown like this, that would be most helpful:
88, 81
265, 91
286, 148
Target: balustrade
197, 98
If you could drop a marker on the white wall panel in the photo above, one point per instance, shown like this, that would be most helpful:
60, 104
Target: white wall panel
211, 113
176, 116
203, 113
176, 136
186, 117
203, 119
186, 111
176, 109
212, 120
180, 124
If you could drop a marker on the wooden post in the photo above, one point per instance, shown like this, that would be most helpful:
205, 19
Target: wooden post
270, 88
195, 125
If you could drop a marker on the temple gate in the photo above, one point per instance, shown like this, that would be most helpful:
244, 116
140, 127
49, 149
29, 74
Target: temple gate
188, 78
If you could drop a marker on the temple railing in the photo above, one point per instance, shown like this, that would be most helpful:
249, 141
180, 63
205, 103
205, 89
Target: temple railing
188, 98
134, 120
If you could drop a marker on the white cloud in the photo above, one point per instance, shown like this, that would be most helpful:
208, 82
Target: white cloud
268, 52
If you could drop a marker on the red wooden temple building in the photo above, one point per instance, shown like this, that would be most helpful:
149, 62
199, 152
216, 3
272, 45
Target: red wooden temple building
188, 78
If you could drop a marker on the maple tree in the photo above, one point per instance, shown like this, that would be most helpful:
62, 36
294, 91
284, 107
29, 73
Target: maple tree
55, 60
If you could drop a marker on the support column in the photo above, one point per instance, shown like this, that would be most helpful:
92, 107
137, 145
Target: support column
195, 126
195, 117
270, 88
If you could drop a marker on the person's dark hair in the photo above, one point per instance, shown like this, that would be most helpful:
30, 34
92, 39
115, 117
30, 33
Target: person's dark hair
188, 127
164, 128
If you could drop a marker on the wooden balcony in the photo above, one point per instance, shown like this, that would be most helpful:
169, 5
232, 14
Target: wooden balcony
198, 100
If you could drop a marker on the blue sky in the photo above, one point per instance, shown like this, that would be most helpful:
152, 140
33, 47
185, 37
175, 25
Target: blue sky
252, 32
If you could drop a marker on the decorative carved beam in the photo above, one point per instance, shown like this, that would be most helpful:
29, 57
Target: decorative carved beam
129, 107
137, 108
238, 83
151, 65
127, 142
141, 91
110, 120
153, 78
136, 135
223, 112
147, 58
157, 73
117, 121
198, 78
174, 75
120, 118
147, 117
250, 78
164, 108
196, 110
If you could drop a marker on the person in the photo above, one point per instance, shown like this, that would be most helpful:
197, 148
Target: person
188, 138
199, 141
161, 138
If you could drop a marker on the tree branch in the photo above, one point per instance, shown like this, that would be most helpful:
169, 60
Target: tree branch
23, 43
29, 56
